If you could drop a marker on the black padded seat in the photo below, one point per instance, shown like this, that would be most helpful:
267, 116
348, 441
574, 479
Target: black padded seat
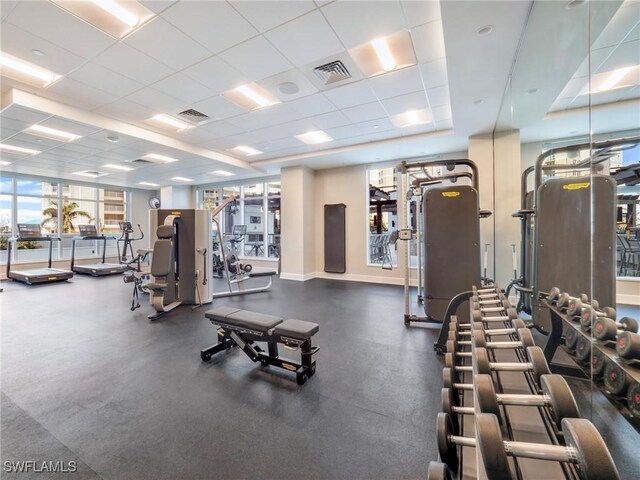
243, 318
258, 272
298, 329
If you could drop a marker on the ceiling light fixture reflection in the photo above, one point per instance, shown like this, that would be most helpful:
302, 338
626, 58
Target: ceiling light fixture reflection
26, 68
52, 133
246, 150
314, 137
117, 11
182, 179
161, 158
254, 96
384, 54
148, 184
88, 174
613, 79
222, 173
14, 149
411, 118
169, 120
113, 166
4, 164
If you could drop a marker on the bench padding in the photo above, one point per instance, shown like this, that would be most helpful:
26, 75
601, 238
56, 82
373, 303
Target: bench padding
299, 329
243, 318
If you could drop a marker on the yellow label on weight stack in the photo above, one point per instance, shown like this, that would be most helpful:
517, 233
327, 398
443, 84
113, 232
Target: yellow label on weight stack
576, 186
450, 194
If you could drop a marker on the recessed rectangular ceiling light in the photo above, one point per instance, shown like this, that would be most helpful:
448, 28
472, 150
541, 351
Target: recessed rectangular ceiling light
314, 137
52, 133
251, 97
20, 150
614, 78
182, 179
148, 184
4, 164
384, 54
21, 70
222, 173
115, 18
113, 166
246, 150
179, 125
411, 118
89, 174
160, 158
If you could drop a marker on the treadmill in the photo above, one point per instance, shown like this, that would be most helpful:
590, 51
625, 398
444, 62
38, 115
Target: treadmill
89, 232
28, 232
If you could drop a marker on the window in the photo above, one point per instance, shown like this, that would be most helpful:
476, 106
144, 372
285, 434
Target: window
383, 216
58, 209
257, 208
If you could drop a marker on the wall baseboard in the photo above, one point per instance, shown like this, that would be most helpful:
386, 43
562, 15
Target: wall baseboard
345, 277
297, 277
627, 299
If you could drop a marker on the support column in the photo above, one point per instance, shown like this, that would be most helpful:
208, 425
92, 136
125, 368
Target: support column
298, 223
177, 197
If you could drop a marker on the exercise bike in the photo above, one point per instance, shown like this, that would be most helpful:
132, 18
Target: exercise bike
230, 249
135, 273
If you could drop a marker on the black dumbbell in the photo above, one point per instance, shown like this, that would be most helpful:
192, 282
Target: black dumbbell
583, 349
616, 381
598, 362
501, 306
588, 315
485, 300
556, 396
517, 323
438, 471
633, 400
511, 313
536, 363
571, 338
487, 290
554, 295
607, 329
564, 298
584, 447
576, 305
525, 339
628, 345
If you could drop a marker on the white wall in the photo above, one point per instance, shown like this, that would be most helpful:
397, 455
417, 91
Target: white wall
177, 196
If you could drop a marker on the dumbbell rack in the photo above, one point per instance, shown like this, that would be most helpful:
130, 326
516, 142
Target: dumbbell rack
631, 368
525, 423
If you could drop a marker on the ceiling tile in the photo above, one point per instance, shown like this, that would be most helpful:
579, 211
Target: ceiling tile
43, 143
6, 6
329, 120
392, 84
218, 107
623, 22
438, 96
106, 80
444, 124
132, 63
70, 126
366, 112
211, 131
6, 132
441, 113
428, 41
346, 131
80, 94
375, 126
265, 117
286, 130
164, 42
256, 58
404, 103
264, 15
360, 22
22, 116
156, 100
184, 88
19, 43
312, 105
157, 6
305, 39
421, 11
351, 95
434, 74
216, 25
125, 110
281, 144
305, 87
417, 129
625, 54
216, 74
59, 27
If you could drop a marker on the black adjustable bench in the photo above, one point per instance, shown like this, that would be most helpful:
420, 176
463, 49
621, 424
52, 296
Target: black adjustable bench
242, 328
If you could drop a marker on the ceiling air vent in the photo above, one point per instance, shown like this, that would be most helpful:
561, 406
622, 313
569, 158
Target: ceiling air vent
332, 72
194, 117
144, 161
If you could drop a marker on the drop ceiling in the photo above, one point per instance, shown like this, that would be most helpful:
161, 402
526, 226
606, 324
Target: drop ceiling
190, 53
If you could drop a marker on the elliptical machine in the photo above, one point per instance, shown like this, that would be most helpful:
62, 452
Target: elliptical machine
230, 249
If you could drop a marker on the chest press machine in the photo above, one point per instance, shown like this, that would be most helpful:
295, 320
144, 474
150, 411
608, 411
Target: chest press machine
241, 328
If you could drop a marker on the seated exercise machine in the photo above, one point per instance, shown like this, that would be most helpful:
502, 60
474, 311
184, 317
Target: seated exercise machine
28, 232
242, 328
89, 232
179, 259
237, 274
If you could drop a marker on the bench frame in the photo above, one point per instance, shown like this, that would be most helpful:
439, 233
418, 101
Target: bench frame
230, 336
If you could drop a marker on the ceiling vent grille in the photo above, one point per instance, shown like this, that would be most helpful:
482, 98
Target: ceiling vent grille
145, 161
92, 173
194, 117
332, 72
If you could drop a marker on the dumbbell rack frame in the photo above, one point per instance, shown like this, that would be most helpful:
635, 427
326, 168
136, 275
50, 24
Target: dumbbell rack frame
558, 320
